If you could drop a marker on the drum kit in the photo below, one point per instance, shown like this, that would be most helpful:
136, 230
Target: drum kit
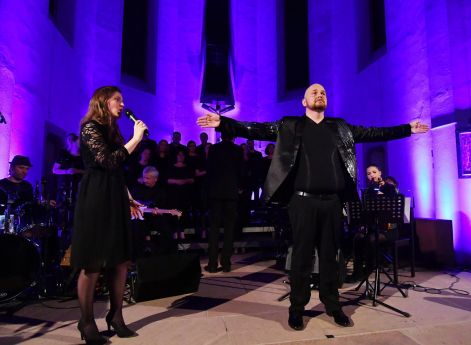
29, 246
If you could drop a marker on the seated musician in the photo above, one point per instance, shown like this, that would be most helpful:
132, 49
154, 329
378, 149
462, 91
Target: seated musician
153, 235
364, 241
15, 187
31, 207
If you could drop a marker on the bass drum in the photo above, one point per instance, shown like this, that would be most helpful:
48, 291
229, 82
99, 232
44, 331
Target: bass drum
19, 265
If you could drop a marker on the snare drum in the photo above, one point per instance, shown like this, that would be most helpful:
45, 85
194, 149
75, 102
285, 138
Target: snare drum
19, 265
34, 221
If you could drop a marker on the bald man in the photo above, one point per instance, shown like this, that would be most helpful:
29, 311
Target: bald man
313, 169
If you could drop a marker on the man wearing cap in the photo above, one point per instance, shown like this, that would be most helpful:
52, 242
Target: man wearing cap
15, 186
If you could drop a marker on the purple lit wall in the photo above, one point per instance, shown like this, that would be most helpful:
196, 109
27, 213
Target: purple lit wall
23, 64
424, 72
53, 79
255, 64
175, 105
6, 96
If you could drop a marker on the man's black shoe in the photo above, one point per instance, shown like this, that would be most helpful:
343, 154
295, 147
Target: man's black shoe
340, 318
226, 268
295, 321
212, 269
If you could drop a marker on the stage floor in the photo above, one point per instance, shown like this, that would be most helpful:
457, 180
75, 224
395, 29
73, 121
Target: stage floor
241, 308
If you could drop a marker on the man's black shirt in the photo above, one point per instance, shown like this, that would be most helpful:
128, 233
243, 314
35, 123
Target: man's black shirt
19, 192
150, 196
66, 160
320, 167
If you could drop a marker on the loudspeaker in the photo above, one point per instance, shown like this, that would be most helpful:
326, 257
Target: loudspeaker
342, 269
315, 261
435, 242
166, 275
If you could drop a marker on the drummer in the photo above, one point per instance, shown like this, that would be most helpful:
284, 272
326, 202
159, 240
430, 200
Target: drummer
15, 187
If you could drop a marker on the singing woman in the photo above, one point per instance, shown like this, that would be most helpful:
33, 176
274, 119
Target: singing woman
102, 230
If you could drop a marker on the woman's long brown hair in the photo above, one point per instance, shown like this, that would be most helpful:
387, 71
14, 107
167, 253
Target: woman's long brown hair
98, 111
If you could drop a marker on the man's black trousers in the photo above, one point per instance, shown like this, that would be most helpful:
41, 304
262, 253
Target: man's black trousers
315, 221
222, 212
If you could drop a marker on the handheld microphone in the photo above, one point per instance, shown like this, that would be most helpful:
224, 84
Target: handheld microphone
130, 115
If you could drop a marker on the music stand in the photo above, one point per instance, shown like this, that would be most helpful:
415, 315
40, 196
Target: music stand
380, 209
355, 213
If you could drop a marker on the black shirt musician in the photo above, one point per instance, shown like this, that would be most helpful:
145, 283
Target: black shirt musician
16, 190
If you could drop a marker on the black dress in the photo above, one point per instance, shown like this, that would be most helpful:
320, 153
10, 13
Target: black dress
102, 229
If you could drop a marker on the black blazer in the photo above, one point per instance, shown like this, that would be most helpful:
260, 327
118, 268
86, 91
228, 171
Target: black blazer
287, 133
224, 170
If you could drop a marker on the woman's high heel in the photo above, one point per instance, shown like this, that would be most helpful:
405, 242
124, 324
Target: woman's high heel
90, 339
121, 330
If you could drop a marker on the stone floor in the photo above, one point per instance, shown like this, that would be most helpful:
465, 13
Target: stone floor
242, 307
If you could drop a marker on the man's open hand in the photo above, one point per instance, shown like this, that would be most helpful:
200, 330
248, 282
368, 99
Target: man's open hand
209, 121
417, 127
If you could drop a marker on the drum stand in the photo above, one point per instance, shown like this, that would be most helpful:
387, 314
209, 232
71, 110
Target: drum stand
379, 210
65, 224
10, 215
66, 288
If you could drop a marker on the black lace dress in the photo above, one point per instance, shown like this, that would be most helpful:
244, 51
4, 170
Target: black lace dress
102, 225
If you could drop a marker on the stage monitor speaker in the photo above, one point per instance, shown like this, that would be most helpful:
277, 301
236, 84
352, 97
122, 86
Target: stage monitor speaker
167, 275
315, 261
435, 242
342, 269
